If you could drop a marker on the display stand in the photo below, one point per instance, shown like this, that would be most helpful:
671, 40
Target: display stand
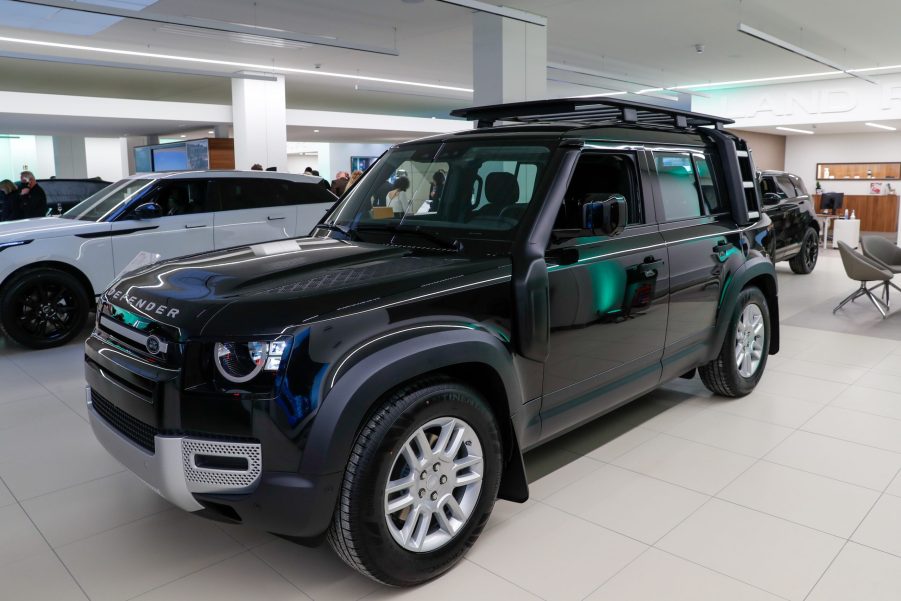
847, 231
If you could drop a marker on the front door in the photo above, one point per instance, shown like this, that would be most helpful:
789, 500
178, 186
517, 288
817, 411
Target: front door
185, 227
608, 299
254, 210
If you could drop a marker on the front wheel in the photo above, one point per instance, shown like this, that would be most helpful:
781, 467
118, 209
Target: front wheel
806, 259
43, 307
742, 358
420, 484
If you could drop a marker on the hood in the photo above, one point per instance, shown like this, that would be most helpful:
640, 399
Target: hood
264, 288
47, 227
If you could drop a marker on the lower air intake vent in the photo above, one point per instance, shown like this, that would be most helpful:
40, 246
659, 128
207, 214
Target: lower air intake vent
221, 467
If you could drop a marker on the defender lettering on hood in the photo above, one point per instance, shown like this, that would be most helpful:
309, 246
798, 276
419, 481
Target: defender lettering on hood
145, 305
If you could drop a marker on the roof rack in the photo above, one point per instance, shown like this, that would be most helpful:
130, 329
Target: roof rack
588, 111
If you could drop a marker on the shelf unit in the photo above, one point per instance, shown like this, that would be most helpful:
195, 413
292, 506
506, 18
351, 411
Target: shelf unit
857, 171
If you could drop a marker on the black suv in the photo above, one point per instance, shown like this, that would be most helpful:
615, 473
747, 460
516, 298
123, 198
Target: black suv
797, 231
378, 381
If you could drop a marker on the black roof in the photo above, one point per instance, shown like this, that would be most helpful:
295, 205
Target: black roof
589, 111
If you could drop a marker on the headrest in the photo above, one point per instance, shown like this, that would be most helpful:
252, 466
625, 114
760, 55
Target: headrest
501, 188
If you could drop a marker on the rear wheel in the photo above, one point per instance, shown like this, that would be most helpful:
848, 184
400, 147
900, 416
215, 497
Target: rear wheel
742, 359
42, 308
420, 484
806, 259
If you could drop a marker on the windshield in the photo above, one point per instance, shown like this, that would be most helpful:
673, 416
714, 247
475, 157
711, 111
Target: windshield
444, 192
100, 204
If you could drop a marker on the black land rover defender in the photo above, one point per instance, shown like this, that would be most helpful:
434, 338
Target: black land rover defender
795, 225
378, 381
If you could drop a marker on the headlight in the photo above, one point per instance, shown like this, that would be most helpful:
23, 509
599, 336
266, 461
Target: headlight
242, 361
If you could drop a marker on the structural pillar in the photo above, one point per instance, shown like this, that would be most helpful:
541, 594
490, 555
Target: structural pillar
259, 118
509, 60
69, 157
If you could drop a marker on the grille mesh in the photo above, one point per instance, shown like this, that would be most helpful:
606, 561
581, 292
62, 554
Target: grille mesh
209, 480
137, 431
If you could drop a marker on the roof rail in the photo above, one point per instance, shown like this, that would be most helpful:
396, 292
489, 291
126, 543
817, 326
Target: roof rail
588, 111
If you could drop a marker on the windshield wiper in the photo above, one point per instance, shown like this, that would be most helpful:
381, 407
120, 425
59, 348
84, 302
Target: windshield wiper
454, 245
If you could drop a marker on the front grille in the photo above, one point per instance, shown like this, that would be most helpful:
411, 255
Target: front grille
131, 343
134, 429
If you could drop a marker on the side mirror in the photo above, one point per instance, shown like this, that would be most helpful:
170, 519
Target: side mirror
771, 198
605, 214
148, 210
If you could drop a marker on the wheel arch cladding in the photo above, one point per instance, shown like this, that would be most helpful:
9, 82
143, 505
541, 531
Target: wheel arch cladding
475, 358
59, 265
758, 272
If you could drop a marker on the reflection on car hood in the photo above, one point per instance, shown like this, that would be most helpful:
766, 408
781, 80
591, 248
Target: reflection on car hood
263, 288
46, 227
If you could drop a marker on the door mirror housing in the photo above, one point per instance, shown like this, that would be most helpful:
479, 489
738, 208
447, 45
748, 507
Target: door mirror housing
605, 214
148, 210
771, 198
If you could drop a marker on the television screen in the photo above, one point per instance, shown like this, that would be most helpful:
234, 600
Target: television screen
143, 160
170, 159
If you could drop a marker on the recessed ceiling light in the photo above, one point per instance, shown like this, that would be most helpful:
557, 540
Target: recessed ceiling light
212, 131
793, 130
184, 136
880, 126
315, 131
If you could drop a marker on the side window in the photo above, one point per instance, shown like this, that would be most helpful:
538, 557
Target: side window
768, 186
678, 185
309, 194
799, 185
601, 173
786, 189
712, 200
184, 197
236, 194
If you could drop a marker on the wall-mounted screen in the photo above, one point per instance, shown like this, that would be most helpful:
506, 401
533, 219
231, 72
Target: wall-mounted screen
170, 159
143, 160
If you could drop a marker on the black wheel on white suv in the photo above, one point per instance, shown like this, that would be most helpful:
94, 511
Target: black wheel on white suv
742, 358
806, 259
43, 307
420, 483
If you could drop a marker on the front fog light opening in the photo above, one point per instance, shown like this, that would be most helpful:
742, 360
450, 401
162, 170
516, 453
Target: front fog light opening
240, 362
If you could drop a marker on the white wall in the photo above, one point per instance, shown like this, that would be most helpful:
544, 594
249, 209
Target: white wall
297, 163
339, 156
106, 158
803, 152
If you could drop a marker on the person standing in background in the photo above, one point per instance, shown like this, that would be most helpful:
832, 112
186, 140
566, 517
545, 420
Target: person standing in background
9, 201
256, 167
32, 196
353, 179
339, 184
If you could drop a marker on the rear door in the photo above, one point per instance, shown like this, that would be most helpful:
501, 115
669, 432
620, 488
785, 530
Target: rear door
784, 213
253, 210
312, 201
186, 226
704, 249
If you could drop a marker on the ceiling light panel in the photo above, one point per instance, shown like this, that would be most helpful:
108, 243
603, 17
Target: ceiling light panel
796, 131
880, 126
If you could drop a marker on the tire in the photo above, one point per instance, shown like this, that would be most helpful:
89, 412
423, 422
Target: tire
42, 308
723, 375
365, 535
806, 259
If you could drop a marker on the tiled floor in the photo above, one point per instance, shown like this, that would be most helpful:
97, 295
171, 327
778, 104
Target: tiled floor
791, 493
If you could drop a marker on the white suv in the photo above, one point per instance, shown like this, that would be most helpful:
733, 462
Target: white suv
52, 268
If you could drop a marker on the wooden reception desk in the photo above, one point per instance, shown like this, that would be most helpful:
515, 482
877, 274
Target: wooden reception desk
877, 213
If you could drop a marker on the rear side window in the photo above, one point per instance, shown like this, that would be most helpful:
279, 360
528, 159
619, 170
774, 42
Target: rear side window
786, 189
799, 185
236, 193
678, 185
713, 201
309, 194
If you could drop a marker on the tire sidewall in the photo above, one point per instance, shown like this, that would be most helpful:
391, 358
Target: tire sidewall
748, 296
799, 265
9, 307
390, 559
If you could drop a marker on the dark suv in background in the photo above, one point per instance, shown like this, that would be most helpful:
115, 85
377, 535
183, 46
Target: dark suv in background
786, 201
378, 381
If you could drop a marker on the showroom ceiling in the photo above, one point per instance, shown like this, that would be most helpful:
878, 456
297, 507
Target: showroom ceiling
640, 42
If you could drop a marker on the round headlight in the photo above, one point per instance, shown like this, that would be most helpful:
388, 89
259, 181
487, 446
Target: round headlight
240, 361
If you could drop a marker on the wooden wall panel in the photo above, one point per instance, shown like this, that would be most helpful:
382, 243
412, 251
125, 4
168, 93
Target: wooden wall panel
877, 213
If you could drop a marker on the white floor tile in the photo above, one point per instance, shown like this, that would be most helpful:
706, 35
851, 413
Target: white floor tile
657, 575
816, 501
673, 416
553, 554
889, 364
317, 571
839, 459
829, 372
138, 557
895, 486
622, 444
18, 414
690, 464
466, 581
237, 579
883, 381
629, 503
50, 454
859, 573
882, 527
778, 556
38, 577
504, 510
19, 539
81, 511
562, 477
870, 400
774, 409
17, 384
781, 383
732, 433
864, 428
6, 497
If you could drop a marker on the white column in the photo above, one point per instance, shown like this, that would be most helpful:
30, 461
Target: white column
69, 157
509, 60
106, 158
260, 123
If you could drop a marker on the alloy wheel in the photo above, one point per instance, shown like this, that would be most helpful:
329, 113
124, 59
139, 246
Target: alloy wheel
749, 340
46, 309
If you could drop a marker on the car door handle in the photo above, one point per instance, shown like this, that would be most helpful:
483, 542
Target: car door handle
191, 226
276, 218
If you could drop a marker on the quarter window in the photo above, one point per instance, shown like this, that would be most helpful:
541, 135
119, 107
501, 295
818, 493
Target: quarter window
713, 202
678, 185
786, 189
